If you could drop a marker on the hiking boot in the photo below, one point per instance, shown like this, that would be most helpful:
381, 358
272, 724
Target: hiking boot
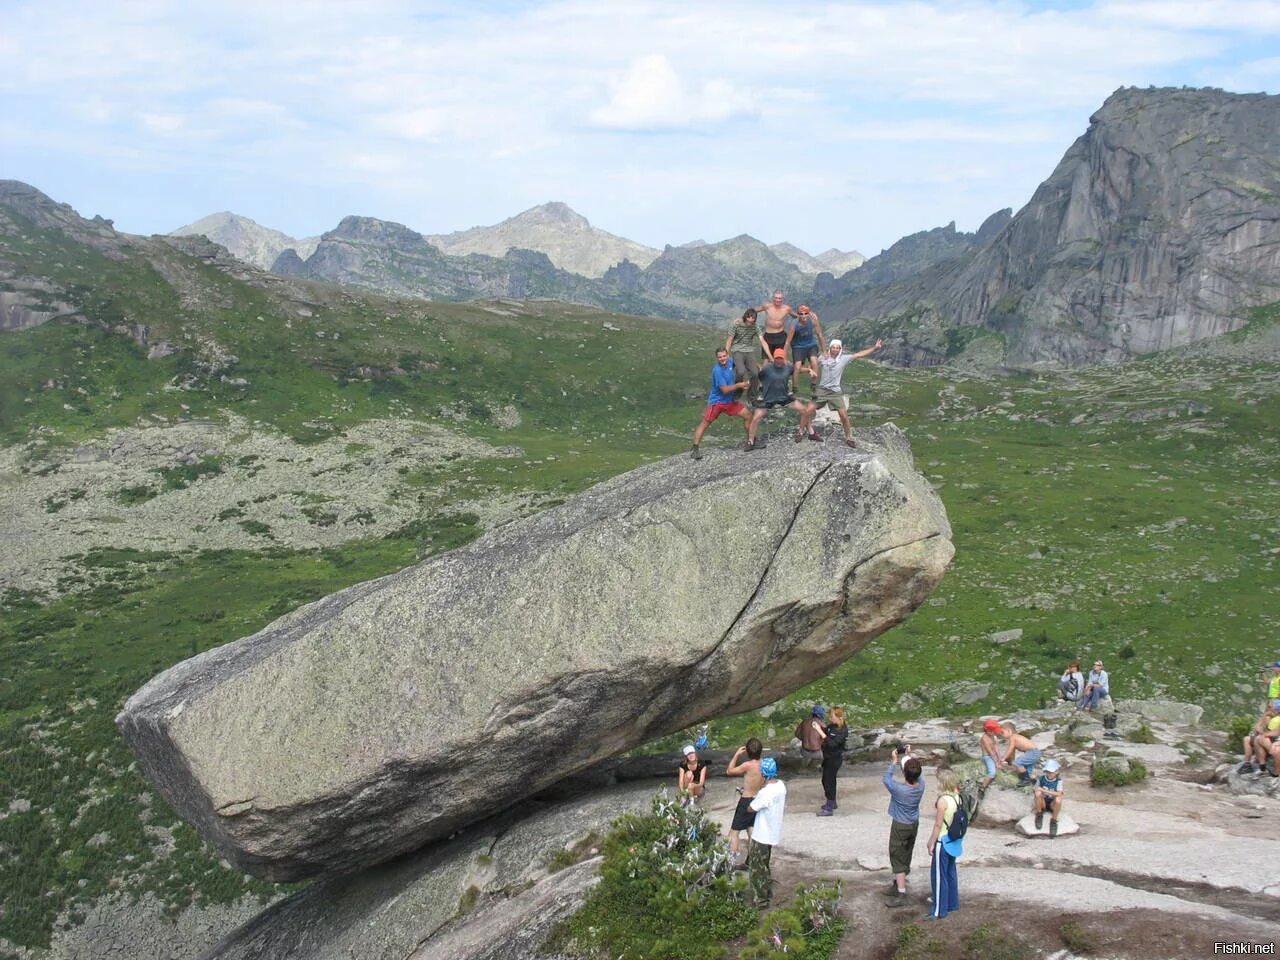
848, 442
696, 452
1039, 819
826, 812
798, 437
898, 899
1053, 826
1247, 767
761, 443
814, 437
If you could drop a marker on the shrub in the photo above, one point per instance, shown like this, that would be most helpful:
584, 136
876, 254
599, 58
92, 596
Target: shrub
666, 891
1078, 937
988, 942
1104, 775
810, 928
914, 944
1143, 734
1237, 729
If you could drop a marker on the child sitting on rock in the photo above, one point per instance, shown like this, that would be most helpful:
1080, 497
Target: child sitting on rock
1025, 761
1048, 796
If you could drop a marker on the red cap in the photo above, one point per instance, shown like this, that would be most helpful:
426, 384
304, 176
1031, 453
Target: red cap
992, 726
779, 354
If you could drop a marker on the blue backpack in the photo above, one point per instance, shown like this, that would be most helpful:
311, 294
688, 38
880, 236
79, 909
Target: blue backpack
959, 822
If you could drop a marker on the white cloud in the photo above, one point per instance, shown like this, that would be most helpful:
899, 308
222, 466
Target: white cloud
164, 124
651, 96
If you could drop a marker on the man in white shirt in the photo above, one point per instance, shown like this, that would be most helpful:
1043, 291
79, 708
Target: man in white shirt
767, 806
830, 391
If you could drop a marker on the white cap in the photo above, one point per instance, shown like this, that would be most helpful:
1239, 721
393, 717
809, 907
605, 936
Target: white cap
1052, 766
687, 749
835, 343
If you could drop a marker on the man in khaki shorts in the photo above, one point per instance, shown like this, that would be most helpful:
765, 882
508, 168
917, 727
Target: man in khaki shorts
830, 392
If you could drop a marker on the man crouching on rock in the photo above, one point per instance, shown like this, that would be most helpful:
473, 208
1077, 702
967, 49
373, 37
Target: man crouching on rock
752, 781
775, 391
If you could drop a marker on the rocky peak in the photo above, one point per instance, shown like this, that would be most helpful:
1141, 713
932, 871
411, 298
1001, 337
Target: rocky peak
372, 230
555, 212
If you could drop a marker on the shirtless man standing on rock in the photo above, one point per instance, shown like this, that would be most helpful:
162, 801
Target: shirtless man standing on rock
776, 334
752, 780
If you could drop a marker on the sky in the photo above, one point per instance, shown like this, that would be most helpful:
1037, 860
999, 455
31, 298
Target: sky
837, 124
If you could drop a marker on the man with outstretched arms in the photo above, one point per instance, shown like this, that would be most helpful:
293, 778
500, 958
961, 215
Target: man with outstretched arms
723, 398
830, 390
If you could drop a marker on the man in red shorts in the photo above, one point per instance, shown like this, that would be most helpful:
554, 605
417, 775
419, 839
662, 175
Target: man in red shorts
725, 388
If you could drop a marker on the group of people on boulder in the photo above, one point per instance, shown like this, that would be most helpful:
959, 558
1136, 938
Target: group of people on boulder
1088, 693
758, 370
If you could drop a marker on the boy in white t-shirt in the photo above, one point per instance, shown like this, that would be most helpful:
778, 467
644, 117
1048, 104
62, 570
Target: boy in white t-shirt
768, 806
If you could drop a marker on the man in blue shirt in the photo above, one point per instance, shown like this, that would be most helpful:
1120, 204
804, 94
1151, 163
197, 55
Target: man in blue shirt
904, 808
723, 398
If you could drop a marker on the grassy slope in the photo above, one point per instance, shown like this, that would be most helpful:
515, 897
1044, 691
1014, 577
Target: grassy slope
1184, 608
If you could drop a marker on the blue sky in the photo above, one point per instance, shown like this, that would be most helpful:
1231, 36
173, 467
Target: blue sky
825, 124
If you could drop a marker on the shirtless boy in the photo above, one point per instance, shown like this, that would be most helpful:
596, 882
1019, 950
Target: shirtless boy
752, 781
1021, 754
990, 746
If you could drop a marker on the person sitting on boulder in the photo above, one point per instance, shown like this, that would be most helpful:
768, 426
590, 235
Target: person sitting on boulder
1024, 762
1259, 741
775, 391
723, 398
752, 781
691, 776
1071, 683
812, 733
1096, 687
989, 743
1048, 796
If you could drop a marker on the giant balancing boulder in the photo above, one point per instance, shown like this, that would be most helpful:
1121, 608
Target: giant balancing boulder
399, 710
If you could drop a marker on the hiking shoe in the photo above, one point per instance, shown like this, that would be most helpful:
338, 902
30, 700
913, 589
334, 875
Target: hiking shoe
761, 442
849, 443
899, 899
1039, 819
798, 437
696, 452
826, 812
749, 445
1247, 767
814, 437
1053, 826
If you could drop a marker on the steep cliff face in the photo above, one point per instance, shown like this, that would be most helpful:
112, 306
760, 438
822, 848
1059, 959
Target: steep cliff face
1160, 227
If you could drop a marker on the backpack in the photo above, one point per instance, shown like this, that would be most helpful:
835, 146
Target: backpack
959, 822
1073, 687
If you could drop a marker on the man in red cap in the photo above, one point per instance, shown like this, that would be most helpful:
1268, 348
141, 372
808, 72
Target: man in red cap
775, 391
991, 730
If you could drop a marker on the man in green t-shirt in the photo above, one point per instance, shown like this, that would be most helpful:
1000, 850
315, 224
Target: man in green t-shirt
744, 344
1273, 685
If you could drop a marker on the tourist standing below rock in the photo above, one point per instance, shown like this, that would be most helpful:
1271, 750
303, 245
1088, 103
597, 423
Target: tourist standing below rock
1025, 761
744, 345
1048, 796
1071, 684
775, 391
723, 398
904, 812
943, 881
752, 781
806, 347
776, 336
691, 776
830, 390
768, 807
1096, 687
989, 744
812, 732
837, 735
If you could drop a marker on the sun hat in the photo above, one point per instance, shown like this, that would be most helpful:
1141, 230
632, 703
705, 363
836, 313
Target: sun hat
768, 768
1052, 766
687, 749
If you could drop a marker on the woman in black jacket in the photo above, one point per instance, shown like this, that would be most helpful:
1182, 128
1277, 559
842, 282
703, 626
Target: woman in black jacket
832, 758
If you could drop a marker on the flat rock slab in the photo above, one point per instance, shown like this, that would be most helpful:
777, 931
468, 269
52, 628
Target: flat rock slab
400, 710
1150, 753
1027, 826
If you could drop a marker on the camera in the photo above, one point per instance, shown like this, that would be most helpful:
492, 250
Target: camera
902, 748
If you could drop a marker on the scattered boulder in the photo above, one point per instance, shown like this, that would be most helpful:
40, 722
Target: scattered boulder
398, 711
1066, 826
1252, 784
1117, 765
1006, 636
969, 692
1163, 711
